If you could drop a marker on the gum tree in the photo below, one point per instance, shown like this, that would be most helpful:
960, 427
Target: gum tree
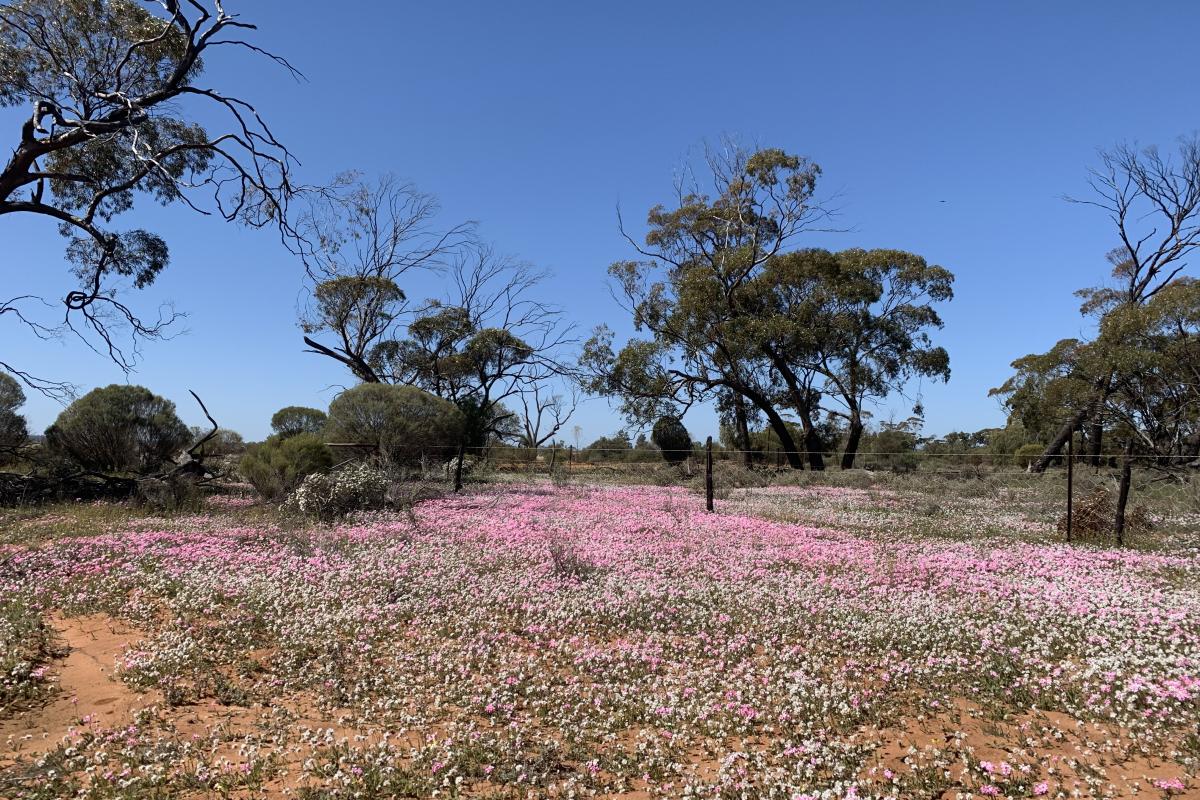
112, 91
690, 291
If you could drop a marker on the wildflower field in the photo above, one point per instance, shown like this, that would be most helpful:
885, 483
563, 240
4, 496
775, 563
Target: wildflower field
557, 641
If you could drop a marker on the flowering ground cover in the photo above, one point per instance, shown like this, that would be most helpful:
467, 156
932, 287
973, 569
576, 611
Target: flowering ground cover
582, 641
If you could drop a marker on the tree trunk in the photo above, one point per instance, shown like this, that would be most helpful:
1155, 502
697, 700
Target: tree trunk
1073, 424
1095, 442
741, 430
812, 442
777, 423
1059, 442
1123, 492
852, 440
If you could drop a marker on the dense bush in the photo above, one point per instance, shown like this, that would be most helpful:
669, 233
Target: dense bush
402, 423
119, 429
1026, 454
672, 439
357, 487
294, 420
13, 432
277, 466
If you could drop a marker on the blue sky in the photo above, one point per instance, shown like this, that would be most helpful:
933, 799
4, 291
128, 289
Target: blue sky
538, 119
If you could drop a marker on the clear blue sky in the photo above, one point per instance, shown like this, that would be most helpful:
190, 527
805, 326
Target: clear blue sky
537, 119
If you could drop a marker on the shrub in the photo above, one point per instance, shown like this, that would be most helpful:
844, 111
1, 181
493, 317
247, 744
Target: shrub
1026, 454
13, 431
672, 439
401, 422
277, 466
119, 429
357, 487
294, 420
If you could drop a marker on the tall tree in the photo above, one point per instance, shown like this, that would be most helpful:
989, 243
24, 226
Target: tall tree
858, 319
1153, 201
113, 90
488, 342
689, 294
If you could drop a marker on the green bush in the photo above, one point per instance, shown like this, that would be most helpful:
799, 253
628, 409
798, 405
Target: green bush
294, 420
402, 423
277, 466
672, 439
1028, 453
119, 429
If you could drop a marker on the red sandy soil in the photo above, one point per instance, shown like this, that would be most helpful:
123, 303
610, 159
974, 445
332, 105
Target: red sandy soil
89, 691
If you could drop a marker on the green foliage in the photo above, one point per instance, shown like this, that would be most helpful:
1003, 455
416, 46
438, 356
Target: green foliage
1027, 454
293, 420
672, 439
118, 429
402, 423
13, 431
277, 466
726, 309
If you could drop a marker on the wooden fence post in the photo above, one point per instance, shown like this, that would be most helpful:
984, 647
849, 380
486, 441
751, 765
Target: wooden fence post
708, 480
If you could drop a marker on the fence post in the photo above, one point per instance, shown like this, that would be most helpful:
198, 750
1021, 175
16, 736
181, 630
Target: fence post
1070, 479
462, 451
570, 458
708, 482
553, 457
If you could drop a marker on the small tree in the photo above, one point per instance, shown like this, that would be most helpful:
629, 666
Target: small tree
13, 431
403, 423
672, 439
294, 420
276, 467
119, 429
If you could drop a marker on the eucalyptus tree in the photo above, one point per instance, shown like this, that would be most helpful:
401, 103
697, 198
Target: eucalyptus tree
364, 238
1152, 353
690, 291
852, 326
1153, 202
490, 341
113, 93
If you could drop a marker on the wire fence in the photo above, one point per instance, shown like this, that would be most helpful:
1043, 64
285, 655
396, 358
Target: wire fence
1073, 498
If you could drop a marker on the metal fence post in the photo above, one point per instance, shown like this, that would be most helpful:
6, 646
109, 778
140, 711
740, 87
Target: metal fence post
1070, 480
708, 479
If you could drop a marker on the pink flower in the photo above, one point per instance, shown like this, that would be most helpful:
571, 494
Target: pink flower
1042, 788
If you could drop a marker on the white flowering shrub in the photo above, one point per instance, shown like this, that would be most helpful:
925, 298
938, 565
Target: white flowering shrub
357, 487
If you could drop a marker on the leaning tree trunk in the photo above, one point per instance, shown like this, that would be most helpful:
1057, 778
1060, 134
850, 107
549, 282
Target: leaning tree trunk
852, 441
1073, 424
785, 438
1123, 492
777, 423
1059, 442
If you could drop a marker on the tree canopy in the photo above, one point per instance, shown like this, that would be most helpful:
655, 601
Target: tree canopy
113, 95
